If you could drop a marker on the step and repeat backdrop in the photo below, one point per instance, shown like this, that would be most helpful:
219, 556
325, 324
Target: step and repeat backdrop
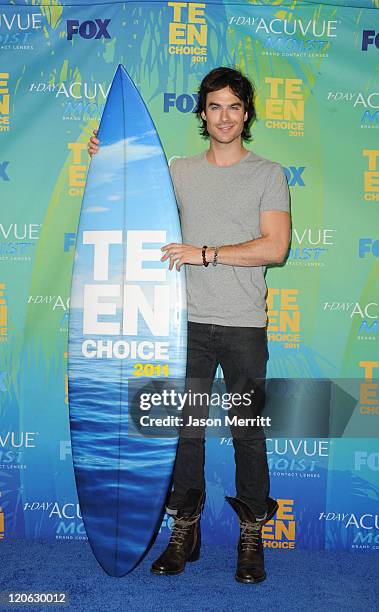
315, 68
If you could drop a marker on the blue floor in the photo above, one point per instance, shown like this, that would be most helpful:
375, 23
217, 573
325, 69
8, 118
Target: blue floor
297, 580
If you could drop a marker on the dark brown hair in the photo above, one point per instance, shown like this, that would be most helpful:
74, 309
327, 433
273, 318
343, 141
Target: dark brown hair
221, 77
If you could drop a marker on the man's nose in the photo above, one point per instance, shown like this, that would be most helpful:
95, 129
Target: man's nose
224, 114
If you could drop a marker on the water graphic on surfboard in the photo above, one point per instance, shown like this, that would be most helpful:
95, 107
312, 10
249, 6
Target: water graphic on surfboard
126, 309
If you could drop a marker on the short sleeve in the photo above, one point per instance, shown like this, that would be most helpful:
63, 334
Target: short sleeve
275, 195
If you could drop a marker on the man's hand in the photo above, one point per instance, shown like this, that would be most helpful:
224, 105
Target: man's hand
93, 144
182, 254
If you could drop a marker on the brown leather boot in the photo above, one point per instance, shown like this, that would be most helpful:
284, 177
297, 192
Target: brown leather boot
185, 539
250, 563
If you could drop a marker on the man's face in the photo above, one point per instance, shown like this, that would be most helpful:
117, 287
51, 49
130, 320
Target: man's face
225, 115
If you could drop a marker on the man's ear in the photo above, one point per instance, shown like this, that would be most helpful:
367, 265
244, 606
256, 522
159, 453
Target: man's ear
203, 116
245, 116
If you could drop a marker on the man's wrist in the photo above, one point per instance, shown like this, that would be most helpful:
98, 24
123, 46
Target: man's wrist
210, 255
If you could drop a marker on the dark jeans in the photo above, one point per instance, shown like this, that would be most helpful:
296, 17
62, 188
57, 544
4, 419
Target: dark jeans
242, 353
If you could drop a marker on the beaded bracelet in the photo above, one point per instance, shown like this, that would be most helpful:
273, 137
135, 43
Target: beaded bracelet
205, 262
215, 255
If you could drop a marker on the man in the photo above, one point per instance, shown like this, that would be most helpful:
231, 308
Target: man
234, 211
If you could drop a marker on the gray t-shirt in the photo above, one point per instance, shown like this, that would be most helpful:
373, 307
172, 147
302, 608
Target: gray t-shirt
218, 206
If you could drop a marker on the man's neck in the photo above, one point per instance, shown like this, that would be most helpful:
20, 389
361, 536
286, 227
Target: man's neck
228, 154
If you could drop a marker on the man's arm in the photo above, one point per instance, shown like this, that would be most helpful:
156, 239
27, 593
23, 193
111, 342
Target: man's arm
271, 247
93, 144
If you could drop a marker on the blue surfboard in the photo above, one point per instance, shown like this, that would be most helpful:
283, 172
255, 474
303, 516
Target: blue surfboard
127, 328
